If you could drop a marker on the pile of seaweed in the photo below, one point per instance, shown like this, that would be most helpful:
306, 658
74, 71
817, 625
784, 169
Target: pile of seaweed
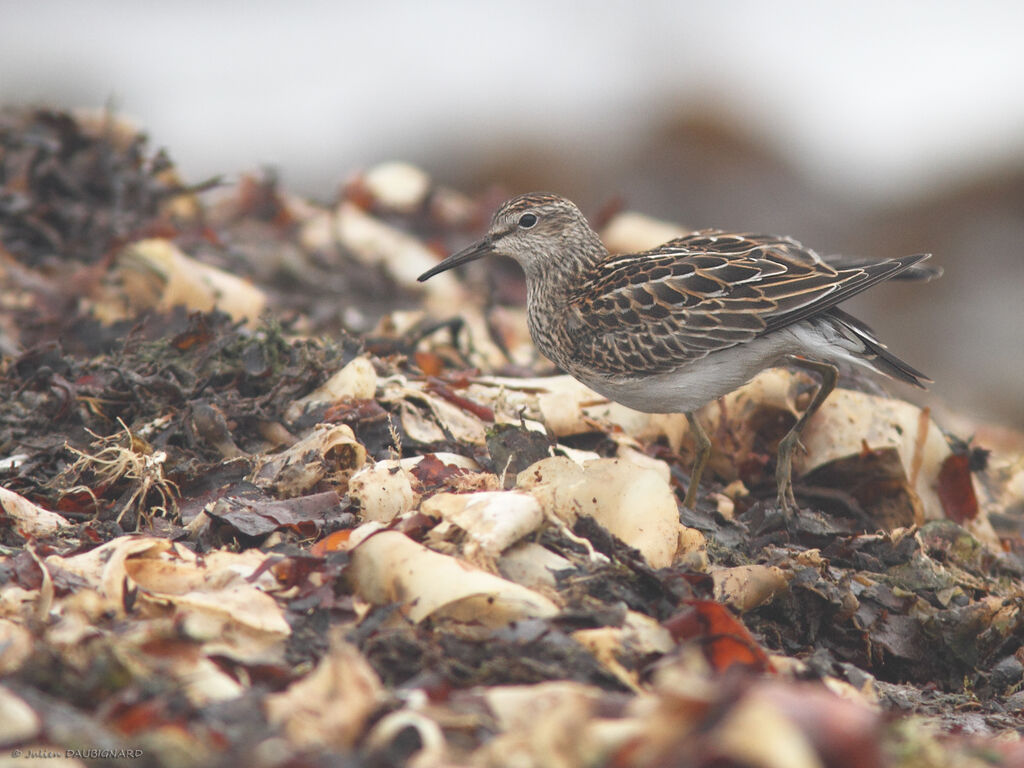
268, 500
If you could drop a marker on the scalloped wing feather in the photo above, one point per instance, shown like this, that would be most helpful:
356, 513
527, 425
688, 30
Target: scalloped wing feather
708, 291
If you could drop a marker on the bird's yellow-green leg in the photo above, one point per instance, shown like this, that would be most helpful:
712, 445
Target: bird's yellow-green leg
784, 468
702, 444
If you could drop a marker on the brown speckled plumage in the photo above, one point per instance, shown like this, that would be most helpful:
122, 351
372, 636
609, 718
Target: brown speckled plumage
701, 294
674, 327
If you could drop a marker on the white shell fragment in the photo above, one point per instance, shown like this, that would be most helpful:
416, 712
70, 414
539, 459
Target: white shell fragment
375, 243
427, 418
398, 186
737, 416
634, 503
383, 491
745, 587
568, 407
390, 567
693, 549
357, 380
330, 706
214, 597
532, 565
849, 420
847, 424
493, 520
29, 518
155, 273
18, 721
330, 449
755, 732
548, 724
638, 634
16, 641
631, 232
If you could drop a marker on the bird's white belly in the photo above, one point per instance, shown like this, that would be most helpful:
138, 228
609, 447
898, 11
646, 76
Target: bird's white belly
698, 383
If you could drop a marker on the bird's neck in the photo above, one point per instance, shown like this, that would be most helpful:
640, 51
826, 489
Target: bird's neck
551, 284
553, 279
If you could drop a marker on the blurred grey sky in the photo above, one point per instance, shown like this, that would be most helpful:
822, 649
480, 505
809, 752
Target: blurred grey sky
881, 97
878, 107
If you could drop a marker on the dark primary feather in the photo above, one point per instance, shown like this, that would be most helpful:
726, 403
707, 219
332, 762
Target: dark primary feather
876, 351
705, 292
918, 272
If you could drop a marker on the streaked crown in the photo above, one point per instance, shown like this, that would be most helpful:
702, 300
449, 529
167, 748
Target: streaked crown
542, 231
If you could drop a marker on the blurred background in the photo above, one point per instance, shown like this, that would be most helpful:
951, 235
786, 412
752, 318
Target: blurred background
897, 127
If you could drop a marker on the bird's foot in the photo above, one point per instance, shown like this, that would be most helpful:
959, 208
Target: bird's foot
787, 500
784, 482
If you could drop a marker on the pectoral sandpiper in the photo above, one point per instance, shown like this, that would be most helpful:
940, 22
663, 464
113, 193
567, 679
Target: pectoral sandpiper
673, 328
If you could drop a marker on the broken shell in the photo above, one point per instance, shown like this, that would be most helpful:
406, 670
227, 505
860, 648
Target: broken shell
848, 421
329, 450
375, 243
746, 587
532, 565
428, 419
213, 597
493, 520
331, 705
383, 491
156, 274
389, 567
630, 232
641, 459
756, 733
16, 641
31, 519
21, 724
737, 419
398, 186
568, 407
693, 550
356, 380
634, 503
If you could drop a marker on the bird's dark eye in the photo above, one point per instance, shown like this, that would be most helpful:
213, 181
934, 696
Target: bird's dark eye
527, 220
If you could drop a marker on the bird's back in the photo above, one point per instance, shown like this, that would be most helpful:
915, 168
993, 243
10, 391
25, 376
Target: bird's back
655, 311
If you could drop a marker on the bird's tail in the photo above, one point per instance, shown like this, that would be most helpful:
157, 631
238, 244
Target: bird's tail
876, 354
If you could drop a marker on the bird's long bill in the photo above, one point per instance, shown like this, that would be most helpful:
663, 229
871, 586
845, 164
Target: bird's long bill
476, 251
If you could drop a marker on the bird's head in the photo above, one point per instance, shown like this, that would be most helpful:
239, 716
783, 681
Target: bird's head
534, 229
